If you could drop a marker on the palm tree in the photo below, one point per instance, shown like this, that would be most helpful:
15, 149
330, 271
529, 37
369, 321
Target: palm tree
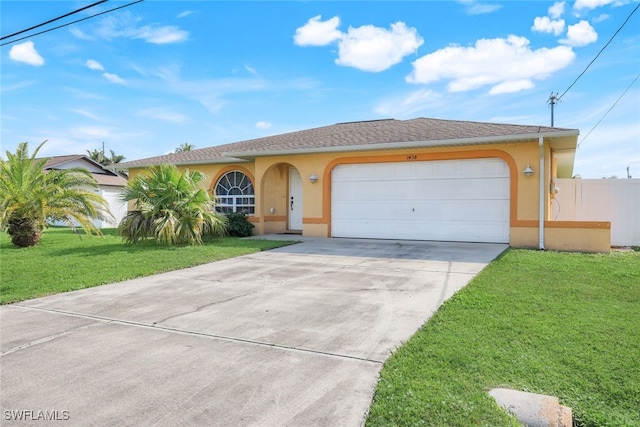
170, 206
31, 197
99, 157
116, 158
185, 146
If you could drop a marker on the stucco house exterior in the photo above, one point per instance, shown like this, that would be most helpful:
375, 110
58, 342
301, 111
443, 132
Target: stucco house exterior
110, 184
419, 179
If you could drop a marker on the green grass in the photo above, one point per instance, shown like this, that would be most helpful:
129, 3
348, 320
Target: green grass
64, 261
561, 324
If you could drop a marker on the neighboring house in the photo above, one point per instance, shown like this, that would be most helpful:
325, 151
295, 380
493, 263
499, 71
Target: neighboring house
420, 179
110, 184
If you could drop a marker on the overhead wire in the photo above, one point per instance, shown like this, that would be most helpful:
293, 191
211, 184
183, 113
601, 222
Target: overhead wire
54, 19
603, 48
73, 22
610, 108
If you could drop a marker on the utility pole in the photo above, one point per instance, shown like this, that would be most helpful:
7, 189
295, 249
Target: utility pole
553, 100
628, 172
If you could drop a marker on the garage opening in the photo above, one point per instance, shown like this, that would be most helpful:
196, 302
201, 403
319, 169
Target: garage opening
445, 200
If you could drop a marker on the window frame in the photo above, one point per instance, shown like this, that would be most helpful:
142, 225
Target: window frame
234, 192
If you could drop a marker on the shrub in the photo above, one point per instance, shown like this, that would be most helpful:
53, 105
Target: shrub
170, 206
239, 225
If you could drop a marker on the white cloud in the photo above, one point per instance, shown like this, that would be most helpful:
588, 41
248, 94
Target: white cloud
591, 4
511, 87
127, 25
251, 70
94, 65
367, 48
27, 53
163, 115
90, 132
161, 35
263, 125
79, 34
580, 34
600, 18
318, 33
507, 65
476, 8
409, 105
113, 78
184, 14
543, 24
210, 101
375, 49
85, 113
17, 86
556, 10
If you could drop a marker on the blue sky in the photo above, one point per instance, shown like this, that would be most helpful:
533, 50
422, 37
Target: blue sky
157, 74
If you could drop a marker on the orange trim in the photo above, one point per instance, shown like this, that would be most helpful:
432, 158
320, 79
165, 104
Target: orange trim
275, 218
230, 168
418, 157
314, 221
605, 225
254, 219
526, 223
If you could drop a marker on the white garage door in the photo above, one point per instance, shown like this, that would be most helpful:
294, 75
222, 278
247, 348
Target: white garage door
449, 200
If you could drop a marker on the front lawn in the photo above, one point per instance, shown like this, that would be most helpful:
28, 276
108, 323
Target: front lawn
64, 261
561, 324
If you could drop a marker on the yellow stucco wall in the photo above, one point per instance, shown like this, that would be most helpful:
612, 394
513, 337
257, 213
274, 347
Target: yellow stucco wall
573, 236
270, 176
581, 236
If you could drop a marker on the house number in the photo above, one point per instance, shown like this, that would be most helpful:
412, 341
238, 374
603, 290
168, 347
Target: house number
412, 157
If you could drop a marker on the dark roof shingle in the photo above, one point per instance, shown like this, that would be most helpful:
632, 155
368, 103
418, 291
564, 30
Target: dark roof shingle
352, 134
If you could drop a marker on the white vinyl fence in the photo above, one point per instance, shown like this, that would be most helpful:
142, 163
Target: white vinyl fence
615, 200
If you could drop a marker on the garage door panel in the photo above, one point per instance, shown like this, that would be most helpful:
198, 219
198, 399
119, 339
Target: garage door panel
417, 211
434, 189
456, 200
388, 229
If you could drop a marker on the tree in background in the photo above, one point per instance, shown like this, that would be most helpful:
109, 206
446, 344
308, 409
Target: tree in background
116, 158
171, 207
98, 156
185, 146
30, 197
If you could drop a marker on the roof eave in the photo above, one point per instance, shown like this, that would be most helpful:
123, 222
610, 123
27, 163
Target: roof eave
218, 160
249, 155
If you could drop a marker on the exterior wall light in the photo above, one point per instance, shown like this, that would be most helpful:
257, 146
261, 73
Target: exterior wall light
528, 171
313, 178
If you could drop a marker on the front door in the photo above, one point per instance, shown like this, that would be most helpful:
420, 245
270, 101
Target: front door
295, 199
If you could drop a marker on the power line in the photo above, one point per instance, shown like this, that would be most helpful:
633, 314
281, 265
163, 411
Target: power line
73, 22
610, 108
603, 48
54, 19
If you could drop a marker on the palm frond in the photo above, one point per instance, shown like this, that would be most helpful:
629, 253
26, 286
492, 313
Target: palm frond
175, 207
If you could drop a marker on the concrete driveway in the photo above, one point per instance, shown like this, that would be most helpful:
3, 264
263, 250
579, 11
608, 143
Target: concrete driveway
289, 337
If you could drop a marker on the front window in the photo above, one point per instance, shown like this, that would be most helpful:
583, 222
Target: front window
234, 193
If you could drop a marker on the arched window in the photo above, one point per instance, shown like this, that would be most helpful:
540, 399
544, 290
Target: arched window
234, 193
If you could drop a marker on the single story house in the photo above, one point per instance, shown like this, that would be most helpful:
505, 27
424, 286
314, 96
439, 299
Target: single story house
420, 179
110, 184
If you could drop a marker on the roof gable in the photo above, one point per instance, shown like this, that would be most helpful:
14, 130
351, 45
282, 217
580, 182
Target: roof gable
75, 161
101, 175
